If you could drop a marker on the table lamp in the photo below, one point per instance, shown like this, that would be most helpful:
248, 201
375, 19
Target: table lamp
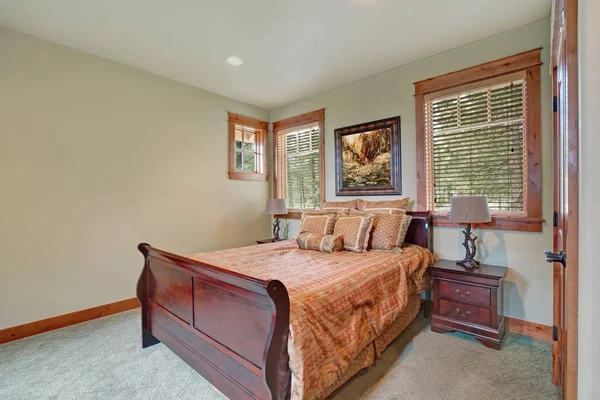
276, 207
469, 210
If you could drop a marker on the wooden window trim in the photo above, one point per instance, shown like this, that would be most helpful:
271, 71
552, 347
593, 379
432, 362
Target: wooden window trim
262, 132
503, 66
527, 62
280, 127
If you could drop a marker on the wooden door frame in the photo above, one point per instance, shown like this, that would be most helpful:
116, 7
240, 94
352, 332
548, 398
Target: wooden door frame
557, 269
569, 33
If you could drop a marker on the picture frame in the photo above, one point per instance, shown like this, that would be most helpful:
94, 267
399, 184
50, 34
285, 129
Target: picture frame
367, 158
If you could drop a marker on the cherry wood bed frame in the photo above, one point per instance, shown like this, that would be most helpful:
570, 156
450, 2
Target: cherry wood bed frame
231, 328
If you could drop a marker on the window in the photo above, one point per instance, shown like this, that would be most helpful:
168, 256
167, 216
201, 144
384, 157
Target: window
299, 169
479, 134
477, 146
298, 152
247, 148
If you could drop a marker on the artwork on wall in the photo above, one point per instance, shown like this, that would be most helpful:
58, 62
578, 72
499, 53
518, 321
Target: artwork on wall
367, 159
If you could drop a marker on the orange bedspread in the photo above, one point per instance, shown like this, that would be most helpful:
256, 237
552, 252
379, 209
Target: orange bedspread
339, 302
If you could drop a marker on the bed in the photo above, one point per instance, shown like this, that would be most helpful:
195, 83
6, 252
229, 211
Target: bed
299, 337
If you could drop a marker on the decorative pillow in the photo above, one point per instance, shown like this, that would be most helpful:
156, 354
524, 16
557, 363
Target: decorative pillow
387, 211
403, 229
339, 205
320, 242
318, 222
356, 231
337, 212
386, 205
386, 228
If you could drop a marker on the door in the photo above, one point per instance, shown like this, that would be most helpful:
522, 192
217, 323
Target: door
565, 222
560, 222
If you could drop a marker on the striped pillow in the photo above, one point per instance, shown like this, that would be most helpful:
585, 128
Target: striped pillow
403, 229
385, 229
319, 242
381, 231
356, 231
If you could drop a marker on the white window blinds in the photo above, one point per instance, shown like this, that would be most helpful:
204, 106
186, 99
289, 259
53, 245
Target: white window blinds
298, 166
476, 146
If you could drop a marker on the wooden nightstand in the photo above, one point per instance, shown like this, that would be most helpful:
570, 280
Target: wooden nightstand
263, 241
469, 301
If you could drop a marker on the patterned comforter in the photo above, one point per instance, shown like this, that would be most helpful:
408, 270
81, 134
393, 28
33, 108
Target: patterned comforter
339, 302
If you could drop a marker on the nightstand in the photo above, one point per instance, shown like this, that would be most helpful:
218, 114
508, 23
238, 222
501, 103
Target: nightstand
263, 241
469, 301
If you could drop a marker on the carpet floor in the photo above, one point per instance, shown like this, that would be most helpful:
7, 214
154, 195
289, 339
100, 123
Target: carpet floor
103, 359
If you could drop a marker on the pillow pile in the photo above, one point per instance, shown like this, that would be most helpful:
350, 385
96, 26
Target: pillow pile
355, 225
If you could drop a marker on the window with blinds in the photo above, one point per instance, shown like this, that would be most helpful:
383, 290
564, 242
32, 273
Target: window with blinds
298, 166
475, 145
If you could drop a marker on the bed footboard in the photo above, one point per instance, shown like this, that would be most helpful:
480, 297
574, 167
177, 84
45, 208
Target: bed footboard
229, 327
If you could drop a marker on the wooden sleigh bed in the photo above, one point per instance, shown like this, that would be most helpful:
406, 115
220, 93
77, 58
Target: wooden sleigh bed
191, 307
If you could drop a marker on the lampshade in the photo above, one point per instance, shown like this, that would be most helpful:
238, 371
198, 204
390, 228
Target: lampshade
469, 209
276, 206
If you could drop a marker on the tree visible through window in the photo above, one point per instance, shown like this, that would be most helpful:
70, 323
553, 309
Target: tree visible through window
247, 148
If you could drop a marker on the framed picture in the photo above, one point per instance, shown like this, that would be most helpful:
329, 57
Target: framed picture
367, 159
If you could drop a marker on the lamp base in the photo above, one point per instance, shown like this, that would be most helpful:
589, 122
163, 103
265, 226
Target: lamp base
469, 243
276, 229
468, 263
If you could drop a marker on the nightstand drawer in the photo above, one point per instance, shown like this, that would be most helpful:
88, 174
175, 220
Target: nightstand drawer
467, 293
465, 312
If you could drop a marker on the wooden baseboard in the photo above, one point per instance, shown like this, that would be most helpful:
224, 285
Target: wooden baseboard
61, 321
532, 329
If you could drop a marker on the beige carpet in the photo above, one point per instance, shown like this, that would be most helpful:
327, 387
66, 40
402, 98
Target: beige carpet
102, 359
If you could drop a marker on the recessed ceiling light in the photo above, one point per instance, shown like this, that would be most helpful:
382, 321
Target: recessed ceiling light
234, 61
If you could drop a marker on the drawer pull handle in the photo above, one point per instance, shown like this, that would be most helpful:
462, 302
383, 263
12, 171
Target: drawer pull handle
463, 315
463, 295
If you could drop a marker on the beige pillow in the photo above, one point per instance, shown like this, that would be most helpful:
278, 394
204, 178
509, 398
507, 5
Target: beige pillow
355, 230
318, 222
339, 205
335, 212
385, 205
386, 228
319, 242
388, 211
403, 229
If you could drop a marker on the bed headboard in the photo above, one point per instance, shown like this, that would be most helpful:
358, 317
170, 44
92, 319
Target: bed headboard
419, 231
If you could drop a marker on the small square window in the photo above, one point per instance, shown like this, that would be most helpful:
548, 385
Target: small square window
247, 148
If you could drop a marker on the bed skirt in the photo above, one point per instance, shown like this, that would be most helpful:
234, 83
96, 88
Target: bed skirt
399, 325
367, 356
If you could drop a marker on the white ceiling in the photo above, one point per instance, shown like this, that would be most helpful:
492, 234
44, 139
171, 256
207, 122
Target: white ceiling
292, 48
